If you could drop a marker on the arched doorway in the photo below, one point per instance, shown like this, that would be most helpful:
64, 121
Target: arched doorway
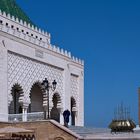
55, 112
73, 106
36, 96
15, 107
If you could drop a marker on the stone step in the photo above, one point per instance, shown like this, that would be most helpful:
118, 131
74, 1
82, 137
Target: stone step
104, 133
85, 131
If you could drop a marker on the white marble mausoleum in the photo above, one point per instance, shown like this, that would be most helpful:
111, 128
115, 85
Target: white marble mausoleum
27, 57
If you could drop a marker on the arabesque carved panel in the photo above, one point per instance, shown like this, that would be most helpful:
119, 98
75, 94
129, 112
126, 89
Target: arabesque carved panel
26, 72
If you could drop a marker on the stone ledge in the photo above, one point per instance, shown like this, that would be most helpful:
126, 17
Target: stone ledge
45, 129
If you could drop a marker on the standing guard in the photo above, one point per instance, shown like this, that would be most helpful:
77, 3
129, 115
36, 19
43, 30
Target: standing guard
66, 115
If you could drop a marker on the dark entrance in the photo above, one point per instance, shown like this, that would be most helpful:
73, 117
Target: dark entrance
73, 105
15, 107
55, 112
36, 96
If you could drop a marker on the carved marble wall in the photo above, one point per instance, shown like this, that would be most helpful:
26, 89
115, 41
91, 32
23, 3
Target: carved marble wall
26, 72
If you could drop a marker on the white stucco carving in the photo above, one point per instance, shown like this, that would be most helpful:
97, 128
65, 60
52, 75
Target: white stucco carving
74, 89
26, 72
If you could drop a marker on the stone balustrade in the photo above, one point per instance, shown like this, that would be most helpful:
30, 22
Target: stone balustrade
30, 117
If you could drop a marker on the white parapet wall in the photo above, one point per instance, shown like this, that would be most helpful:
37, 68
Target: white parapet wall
32, 34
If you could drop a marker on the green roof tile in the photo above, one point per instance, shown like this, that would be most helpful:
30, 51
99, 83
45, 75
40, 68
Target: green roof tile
11, 7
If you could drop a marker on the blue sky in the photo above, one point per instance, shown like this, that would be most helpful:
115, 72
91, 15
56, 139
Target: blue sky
106, 34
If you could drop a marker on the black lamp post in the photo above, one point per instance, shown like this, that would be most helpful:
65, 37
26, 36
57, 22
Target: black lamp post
47, 87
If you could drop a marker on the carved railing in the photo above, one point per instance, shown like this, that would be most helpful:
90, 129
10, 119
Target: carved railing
29, 117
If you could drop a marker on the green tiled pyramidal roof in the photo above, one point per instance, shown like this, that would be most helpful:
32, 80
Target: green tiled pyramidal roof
11, 7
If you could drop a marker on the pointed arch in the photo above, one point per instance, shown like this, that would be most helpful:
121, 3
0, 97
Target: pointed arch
38, 83
15, 106
36, 97
56, 99
73, 101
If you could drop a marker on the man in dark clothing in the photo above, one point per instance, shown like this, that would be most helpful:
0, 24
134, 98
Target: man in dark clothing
66, 115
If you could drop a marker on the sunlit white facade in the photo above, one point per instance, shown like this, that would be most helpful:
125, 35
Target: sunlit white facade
27, 57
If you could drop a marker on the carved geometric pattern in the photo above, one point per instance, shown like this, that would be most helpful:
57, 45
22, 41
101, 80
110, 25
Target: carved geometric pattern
26, 72
74, 88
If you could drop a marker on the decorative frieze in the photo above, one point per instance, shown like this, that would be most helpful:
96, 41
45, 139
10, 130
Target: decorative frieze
39, 53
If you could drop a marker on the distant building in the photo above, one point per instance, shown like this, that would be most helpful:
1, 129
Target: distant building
27, 57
